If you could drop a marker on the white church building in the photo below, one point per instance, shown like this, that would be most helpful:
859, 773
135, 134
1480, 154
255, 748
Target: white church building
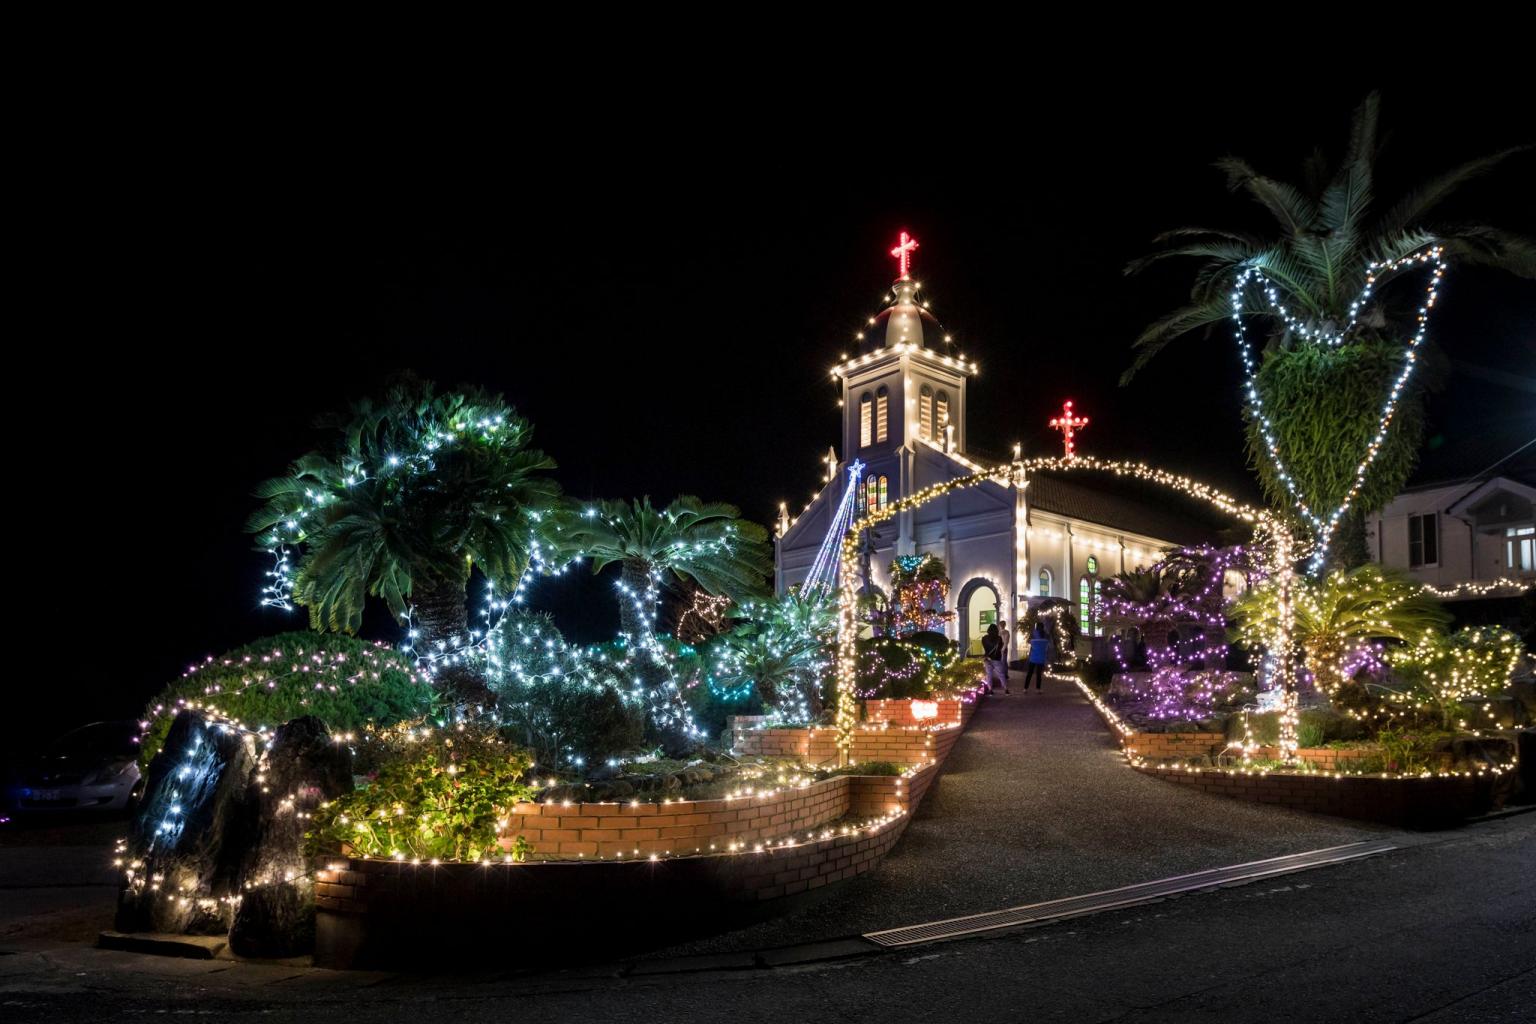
904, 392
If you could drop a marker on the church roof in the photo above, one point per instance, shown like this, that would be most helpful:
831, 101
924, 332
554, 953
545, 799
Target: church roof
1102, 502
906, 321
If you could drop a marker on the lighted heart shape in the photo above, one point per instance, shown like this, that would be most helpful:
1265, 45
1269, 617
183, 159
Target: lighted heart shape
1325, 525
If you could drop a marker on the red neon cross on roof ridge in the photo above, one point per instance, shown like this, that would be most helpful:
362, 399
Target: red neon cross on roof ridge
1068, 424
903, 254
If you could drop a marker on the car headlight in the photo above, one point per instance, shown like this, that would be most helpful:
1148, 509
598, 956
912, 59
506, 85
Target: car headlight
111, 773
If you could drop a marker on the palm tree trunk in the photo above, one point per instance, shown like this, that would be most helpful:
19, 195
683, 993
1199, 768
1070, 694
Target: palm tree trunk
442, 617
634, 609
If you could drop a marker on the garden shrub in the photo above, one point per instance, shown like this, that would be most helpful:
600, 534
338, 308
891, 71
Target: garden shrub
436, 793
894, 669
345, 682
883, 768
566, 704
931, 640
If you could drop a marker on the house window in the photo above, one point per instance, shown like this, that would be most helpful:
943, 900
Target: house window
1424, 540
866, 421
925, 413
882, 413
1520, 548
1045, 583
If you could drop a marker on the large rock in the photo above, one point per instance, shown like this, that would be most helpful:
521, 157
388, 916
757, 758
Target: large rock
302, 769
186, 840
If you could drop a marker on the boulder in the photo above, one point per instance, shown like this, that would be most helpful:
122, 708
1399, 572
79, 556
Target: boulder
187, 838
302, 769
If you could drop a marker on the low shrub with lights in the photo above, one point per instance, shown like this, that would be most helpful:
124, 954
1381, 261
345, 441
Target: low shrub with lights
434, 794
347, 683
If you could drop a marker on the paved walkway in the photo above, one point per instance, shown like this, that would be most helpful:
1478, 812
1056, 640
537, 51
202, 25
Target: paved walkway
1037, 803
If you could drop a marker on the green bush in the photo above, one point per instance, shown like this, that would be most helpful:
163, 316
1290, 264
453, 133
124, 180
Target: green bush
931, 640
894, 669
345, 682
884, 768
566, 704
436, 793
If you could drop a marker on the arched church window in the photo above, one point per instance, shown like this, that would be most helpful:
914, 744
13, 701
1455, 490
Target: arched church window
871, 493
882, 413
925, 413
1045, 583
885, 496
866, 420
1088, 588
941, 413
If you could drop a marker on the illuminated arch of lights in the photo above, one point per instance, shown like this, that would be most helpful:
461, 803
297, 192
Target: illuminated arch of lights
1271, 536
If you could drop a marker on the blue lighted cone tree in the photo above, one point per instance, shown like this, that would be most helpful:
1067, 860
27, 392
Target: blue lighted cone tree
412, 493
1330, 353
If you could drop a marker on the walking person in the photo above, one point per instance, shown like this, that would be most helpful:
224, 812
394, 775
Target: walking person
991, 659
1039, 651
1007, 652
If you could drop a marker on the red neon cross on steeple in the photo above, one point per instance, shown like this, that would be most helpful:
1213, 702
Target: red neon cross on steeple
903, 254
1068, 424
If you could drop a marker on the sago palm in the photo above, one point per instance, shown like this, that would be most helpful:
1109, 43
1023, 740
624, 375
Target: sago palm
707, 543
1338, 615
782, 650
410, 495
1324, 400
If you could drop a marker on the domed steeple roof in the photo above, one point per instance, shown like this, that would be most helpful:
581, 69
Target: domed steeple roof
905, 321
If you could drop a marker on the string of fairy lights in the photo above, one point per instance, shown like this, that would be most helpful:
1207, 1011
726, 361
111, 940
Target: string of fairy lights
1270, 536
1325, 522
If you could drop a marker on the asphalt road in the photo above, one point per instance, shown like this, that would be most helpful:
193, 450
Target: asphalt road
1442, 931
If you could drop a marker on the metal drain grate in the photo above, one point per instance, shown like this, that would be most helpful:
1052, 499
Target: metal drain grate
1144, 892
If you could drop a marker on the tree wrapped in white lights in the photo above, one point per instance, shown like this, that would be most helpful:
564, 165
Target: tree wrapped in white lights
411, 494
1333, 412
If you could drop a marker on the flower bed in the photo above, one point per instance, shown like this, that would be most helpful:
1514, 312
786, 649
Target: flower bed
596, 868
1322, 785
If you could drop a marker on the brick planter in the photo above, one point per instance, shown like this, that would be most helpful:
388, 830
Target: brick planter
1434, 802
1410, 801
901, 744
388, 913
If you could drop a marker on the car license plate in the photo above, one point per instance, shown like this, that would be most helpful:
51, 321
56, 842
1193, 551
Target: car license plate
47, 794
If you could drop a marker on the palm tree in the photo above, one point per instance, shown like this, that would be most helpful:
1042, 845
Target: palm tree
705, 543
1335, 617
1324, 401
783, 647
412, 493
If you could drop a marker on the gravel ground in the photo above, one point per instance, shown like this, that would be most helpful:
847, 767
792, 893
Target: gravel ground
1036, 803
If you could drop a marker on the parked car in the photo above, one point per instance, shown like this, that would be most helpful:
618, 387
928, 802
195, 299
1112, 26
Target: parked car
93, 768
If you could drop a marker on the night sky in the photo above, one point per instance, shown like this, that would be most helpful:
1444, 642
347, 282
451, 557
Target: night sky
660, 290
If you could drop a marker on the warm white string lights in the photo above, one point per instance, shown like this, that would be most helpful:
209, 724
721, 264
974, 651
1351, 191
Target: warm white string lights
1325, 522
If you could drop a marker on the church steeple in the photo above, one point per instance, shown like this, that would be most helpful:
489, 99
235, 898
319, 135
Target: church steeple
905, 385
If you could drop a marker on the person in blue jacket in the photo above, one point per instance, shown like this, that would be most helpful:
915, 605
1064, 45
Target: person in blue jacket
1039, 651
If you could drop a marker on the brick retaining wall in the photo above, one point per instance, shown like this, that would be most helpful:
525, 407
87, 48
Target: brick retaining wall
896, 743
1411, 801
1414, 802
381, 913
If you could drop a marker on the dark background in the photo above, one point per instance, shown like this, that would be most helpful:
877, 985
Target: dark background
661, 288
